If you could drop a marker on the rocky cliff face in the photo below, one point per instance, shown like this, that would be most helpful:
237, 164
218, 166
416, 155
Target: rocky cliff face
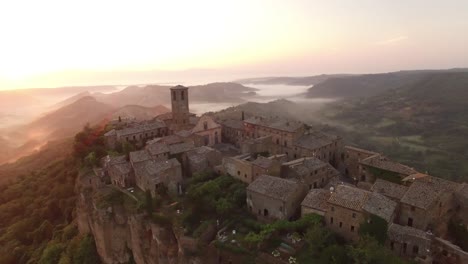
121, 235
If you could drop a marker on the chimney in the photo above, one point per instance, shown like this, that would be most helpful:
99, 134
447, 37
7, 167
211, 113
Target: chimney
243, 117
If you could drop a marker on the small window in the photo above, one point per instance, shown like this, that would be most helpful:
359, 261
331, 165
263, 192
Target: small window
410, 221
245, 175
392, 245
331, 220
238, 173
182, 95
341, 224
315, 185
415, 249
332, 209
315, 172
404, 247
413, 208
354, 215
352, 228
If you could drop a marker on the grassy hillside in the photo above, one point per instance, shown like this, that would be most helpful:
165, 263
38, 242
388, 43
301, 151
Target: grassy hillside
423, 124
356, 86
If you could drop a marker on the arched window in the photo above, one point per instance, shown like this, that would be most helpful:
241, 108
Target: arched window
174, 96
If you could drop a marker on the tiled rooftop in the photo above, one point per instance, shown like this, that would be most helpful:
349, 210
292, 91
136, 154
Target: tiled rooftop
306, 166
152, 169
381, 162
263, 162
181, 147
157, 148
234, 123
424, 191
274, 187
314, 140
121, 168
142, 127
275, 123
399, 233
389, 189
380, 205
199, 154
351, 148
184, 133
348, 197
139, 156
317, 199
110, 133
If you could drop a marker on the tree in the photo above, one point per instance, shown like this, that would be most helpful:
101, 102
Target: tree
369, 251
318, 238
375, 227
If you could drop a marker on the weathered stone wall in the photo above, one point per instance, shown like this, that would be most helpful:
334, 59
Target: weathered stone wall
239, 169
348, 221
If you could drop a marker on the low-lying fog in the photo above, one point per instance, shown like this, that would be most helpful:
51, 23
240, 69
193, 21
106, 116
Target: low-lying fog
265, 93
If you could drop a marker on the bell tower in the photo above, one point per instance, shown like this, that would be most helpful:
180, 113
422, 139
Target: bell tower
180, 107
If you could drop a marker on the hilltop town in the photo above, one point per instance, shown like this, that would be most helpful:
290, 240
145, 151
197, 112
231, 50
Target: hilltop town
288, 171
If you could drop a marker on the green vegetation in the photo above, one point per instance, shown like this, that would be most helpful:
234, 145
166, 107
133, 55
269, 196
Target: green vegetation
375, 227
37, 218
385, 175
211, 198
421, 123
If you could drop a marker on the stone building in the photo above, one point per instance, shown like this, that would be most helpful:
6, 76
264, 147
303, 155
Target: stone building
350, 161
283, 132
158, 151
316, 201
428, 204
267, 165
136, 133
407, 241
351, 206
263, 145
180, 108
208, 129
379, 166
121, 174
239, 167
158, 176
233, 131
271, 198
389, 189
310, 171
202, 159
245, 168
138, 157
316, 144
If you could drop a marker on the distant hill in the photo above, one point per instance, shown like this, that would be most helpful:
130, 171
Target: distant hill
355, 86
66, 122
71, 100
423, 123
151, 95
69, 119
139, 112
305, 81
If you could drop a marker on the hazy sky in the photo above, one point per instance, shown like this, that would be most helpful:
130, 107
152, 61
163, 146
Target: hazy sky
62, 42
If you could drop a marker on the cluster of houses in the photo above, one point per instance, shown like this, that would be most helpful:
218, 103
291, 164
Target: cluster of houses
292, 170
